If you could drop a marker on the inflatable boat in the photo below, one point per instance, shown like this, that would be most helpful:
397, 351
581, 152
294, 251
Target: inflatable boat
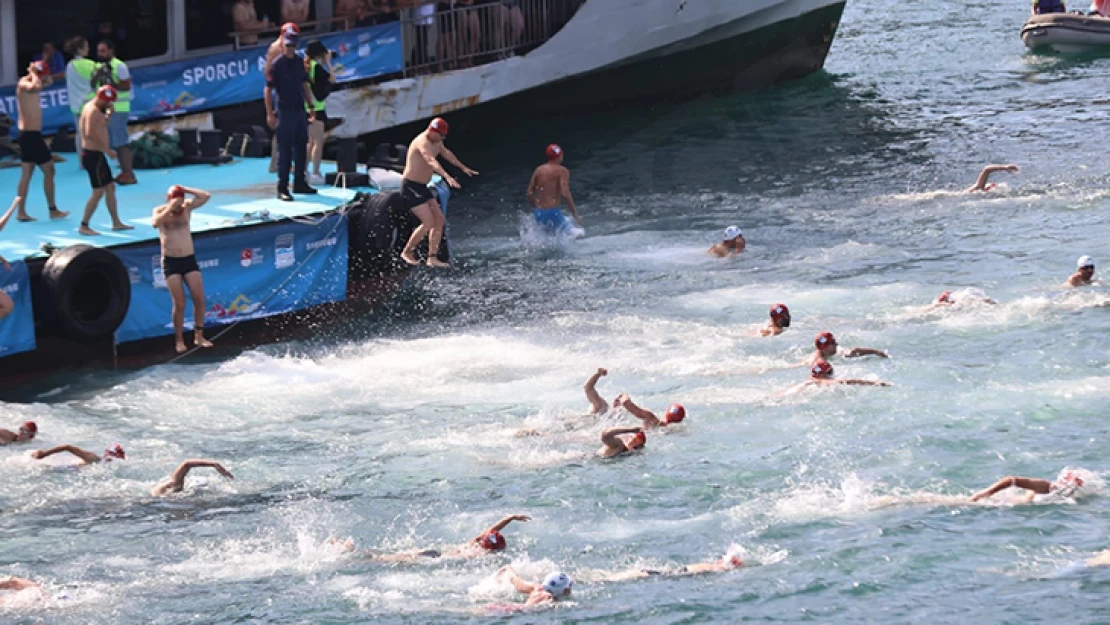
1066, 32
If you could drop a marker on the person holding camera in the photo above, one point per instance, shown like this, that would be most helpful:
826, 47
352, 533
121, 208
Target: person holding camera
321, 77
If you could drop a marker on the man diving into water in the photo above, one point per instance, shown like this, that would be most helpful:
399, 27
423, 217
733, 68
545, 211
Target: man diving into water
420, 163
547, 190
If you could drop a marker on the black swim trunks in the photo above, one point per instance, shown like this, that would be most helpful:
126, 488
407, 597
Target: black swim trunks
415, 193
96, 164
179, 265
32, 148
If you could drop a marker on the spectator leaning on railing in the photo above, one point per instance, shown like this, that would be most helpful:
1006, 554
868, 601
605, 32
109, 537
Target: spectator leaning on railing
246, 22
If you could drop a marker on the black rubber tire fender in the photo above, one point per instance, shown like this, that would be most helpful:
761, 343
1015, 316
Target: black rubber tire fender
89, 291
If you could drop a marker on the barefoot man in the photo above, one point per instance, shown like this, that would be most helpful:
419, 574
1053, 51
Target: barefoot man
548, 189
420, 163
96, 149
33, 150
179, 262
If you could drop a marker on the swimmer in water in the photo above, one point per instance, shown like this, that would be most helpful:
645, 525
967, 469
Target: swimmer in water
1085, 272
25, 434
548, 189
826, 346
675, 414
554, 587
489, 540
732, 244
175, 483
821, 375
780, 321
946, 299
598, 405
720, 565
1066, 485
983, 183
617, 442
16, 584
115, 452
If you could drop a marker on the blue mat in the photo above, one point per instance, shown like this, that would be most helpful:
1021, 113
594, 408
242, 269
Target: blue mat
240, 187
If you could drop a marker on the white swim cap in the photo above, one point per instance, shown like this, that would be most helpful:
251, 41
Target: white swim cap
558, 584
1085, 261
732, 232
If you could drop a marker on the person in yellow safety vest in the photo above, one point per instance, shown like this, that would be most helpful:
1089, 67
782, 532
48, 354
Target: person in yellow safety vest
79, 73
120, 79
317, 64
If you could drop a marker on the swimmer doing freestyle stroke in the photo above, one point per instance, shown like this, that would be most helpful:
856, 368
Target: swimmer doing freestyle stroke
491, 539
827, 346
983, 183
720, 565
779, 322
1067, 484
547, 190
821, 374
26, 432
420, 163
545, 594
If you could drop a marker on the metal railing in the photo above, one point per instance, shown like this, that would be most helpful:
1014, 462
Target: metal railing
467, 35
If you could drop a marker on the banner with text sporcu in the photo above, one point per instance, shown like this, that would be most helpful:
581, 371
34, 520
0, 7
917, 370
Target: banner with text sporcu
218, 80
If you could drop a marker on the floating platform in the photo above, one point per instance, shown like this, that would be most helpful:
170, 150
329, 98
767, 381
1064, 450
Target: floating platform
271, 268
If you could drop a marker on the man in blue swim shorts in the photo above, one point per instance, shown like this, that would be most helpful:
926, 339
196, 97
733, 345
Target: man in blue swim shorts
549, 187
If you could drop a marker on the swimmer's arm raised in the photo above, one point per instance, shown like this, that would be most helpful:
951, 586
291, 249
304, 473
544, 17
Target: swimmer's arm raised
597, 404
88, 456
200, 197
177, 479
985, 175
1037, 486
610, 440
521, 586
647, 416
500, 525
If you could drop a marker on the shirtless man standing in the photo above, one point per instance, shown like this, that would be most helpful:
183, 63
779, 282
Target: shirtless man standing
1084, 274
616, 442
732, 244
549, 187
179, 262
33, 150
96, 149
826, 346
420, 163
175, 483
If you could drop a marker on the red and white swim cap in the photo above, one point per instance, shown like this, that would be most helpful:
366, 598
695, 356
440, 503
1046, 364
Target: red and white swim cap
675, 414
115, 451
492, 541
290, 27
439, 125
107, 93
825, 339
175, 192
778, 311
553, 151
821, 369
638, 441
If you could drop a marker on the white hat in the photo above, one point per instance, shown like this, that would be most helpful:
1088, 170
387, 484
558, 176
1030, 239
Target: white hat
1085, 261
732, 232
558, 584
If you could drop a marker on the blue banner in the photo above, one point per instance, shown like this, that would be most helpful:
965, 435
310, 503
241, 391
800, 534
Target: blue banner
218, 80
248, 274
17, 330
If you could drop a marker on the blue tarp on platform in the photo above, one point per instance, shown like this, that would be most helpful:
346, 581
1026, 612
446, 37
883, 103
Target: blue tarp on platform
248, 274
218, 80
17, 330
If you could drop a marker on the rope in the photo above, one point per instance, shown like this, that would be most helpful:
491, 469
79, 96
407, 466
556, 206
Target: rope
343, 218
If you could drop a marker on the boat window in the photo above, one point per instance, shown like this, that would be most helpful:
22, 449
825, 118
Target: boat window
245, 17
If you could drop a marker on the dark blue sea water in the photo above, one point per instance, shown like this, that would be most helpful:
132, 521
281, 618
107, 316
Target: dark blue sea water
848, 504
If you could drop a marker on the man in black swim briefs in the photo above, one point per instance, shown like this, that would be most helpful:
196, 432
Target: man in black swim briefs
420, 162
95, 143
33, 151
179, 261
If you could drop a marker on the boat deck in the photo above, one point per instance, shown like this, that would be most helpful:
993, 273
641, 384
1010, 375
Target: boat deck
241, 190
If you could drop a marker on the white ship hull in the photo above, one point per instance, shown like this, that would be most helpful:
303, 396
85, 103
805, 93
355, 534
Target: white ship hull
613, 49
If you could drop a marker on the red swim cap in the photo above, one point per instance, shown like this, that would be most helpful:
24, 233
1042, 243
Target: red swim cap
439, 125
115, 452
290, 27
736, 561
107, 93
30, 427
945, 298
778, 311
638, 441
823, 340
675, 414
40, 68
554, 151
175, 192
821, 369
492, 541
